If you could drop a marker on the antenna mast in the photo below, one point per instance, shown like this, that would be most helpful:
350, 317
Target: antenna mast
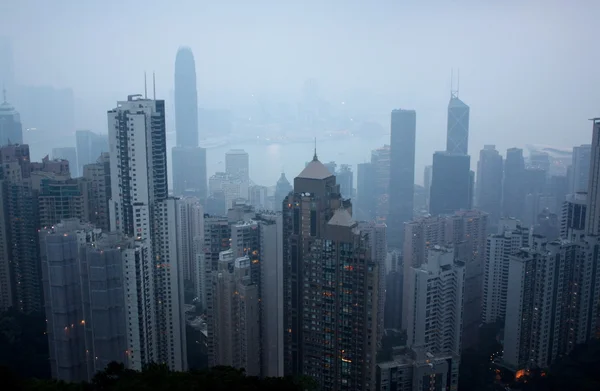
145, 87
153, 86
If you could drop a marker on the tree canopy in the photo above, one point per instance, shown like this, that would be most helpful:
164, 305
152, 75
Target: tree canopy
158, 377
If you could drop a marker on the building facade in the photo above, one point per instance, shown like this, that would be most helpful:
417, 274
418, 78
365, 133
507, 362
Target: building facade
402, 174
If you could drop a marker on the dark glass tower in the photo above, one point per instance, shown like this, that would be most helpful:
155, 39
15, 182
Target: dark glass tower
489, 182
451, 183
402, 173
457, 140
186, 99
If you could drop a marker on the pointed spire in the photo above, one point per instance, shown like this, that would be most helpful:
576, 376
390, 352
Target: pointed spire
315, 158
145, 87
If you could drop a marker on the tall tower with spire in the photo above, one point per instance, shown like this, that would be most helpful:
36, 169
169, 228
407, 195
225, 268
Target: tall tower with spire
330, 286
11, 130
457, 137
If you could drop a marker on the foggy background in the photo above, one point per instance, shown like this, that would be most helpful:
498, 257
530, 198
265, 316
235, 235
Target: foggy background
528, 71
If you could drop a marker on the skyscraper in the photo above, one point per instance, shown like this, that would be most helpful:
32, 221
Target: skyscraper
11, 131
98, 177
450, 183
85, 306
189, 172
572, 222
365, 192
427, 183
435, 305
489, 183
511, 237
233, 315
466, 232
237, 164
140, 208
90, 146
345, 177
593, 197
580, 168
541, 316
282, 189
380, 159
514, 186
457, 140
330, 327
186, 99
402, 174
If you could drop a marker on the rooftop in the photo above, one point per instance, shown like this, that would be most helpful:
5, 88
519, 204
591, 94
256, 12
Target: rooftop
315, 170
342, 218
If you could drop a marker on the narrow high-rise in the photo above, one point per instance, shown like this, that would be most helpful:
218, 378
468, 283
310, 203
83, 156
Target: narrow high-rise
89, 146
457, 137
186, 99
98, 177
489, 183
514, 186
189, 172
140, 208
402, 174
593, 197
580, 168
330, 327
511, 237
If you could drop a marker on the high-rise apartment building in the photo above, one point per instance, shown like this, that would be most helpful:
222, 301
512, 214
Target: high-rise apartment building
90, 146
540, 320
270, 228
457, 137
466, 232
186, 99
509, 240
190, 229
98, 177
11, 130
402, 174
514, 184
140, 208
489, 183
23, 182
593, 196
572, 222
580, 168
84, 299
435, 305
330, 286
189, 172
451, 185
233, 315
233, 188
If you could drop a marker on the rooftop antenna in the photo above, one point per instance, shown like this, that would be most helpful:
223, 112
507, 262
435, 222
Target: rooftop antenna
315, 157
153, 86
454, 92
145, 87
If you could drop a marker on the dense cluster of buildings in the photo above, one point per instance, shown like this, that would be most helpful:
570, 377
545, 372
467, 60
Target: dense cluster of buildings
306, 278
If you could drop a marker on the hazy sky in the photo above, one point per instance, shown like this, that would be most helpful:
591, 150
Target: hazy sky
528, 71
